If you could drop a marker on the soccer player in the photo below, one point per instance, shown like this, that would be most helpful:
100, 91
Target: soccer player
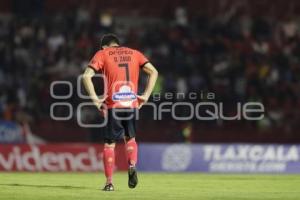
120, 67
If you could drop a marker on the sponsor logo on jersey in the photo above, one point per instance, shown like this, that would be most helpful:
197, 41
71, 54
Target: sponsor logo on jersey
125, 96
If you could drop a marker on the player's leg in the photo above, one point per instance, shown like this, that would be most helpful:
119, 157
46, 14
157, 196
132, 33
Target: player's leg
131, 146
109, 164
113, 131
131, 149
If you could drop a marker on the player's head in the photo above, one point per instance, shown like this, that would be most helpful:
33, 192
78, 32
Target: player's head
109, 40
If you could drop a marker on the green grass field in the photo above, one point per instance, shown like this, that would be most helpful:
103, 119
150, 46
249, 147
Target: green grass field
158, 186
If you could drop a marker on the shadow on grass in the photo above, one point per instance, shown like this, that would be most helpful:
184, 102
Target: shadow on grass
43, 186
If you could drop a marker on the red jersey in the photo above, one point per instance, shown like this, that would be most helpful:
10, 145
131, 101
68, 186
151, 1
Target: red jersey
121, 67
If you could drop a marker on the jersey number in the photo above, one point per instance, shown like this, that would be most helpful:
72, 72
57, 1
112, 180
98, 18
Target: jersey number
125, 65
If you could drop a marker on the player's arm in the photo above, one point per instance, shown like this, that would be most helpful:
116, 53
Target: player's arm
89, 86
149, 69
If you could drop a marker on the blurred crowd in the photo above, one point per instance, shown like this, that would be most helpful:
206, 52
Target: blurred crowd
235, 54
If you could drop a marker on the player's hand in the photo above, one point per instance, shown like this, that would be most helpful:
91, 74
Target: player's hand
98, 102
103, 111
142, 99
100, 106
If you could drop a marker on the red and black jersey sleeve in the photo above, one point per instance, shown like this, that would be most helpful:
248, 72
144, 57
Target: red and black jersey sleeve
142, 59
97, 62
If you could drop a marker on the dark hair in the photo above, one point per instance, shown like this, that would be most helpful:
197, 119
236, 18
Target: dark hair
107, 39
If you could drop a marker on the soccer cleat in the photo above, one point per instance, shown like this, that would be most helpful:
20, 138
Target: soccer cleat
108, 187
132, 177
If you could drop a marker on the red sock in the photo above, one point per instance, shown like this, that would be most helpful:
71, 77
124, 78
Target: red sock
131, 150
109, 162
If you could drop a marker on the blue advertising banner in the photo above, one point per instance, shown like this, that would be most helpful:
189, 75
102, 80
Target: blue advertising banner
219, 158
10, 132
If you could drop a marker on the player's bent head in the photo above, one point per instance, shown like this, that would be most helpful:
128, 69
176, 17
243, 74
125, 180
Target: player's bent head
109, 40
